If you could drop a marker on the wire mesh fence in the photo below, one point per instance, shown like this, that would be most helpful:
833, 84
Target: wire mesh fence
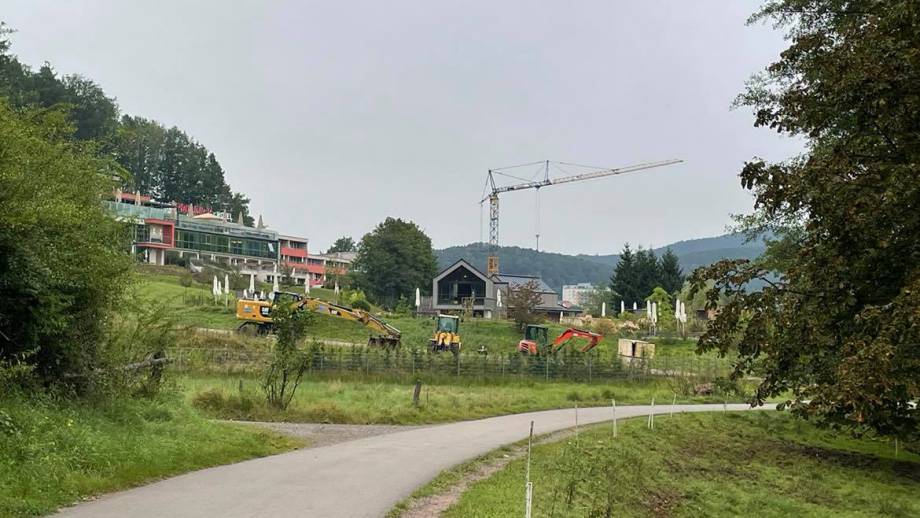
572, 366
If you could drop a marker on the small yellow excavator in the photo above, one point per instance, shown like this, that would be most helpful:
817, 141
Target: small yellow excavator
446, 334
257, 319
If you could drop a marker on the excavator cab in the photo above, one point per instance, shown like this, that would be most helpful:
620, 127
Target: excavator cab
535, 339
446, 334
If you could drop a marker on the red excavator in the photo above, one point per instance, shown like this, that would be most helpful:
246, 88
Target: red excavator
535, 339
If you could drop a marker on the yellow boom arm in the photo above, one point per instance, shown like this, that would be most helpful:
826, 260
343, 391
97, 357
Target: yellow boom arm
258, 313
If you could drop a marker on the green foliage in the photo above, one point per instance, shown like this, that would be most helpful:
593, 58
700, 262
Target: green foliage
164, 163
361, 304
55, 453
638, 273
287, 364
522, 302
93, 115
343, 244
666, 320
837, 328
361, 399
394, 260
63, 265
169, 165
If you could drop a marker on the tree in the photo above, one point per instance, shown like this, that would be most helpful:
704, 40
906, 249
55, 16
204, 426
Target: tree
671, 278
623, 282
342, 244
287, 364
836, 327
522, 300
394, 260
662, 299
63, 266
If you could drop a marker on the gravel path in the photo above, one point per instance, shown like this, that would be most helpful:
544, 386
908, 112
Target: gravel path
359, 478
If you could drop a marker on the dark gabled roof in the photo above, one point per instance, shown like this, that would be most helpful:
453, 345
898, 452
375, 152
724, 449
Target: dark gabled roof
459, 263
514, 281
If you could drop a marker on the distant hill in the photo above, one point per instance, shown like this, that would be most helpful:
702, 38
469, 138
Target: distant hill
558, 269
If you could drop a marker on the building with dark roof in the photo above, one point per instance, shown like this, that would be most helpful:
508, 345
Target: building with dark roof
461, 287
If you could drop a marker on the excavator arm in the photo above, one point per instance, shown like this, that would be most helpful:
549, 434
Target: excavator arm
571, 333
258, 313
389, 335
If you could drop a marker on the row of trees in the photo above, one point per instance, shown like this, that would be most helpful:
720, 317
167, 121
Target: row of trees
165, 163
638, 273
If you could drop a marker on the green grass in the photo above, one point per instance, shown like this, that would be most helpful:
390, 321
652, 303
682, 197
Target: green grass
194, 306
55, 453
736, 464
361, 400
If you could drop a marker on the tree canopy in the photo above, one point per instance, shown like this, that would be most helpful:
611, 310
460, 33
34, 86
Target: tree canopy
343, 244
838, 323
164, 163
63, 265
393, 260
638, 273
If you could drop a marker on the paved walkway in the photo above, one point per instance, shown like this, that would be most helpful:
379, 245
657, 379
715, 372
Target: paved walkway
360, 478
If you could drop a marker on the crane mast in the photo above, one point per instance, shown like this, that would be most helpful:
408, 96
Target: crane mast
492, 198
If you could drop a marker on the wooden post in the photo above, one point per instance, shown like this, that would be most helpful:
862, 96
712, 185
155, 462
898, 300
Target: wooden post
416, 392
673, 402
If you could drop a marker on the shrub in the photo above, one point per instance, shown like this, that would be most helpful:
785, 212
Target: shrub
63, 265
186, 280
361, 304
287, 364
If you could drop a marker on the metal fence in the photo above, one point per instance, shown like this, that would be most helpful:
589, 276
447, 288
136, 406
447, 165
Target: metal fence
374, 361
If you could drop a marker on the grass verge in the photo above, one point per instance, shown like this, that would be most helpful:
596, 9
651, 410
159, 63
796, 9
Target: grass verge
375, 400
55, 453
735, 464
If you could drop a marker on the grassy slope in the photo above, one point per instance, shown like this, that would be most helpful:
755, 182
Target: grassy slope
363, 401
52, 454
754, 464
194, 306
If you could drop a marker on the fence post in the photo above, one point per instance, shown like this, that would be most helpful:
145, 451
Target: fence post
613, 403
528, 486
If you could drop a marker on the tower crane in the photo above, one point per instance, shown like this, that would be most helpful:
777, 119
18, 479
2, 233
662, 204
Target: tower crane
496, 189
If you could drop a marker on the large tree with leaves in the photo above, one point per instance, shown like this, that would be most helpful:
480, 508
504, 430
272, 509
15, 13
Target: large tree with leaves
838, 326
394, 260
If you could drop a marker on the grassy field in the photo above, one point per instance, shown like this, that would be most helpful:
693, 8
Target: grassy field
194, 306
52, 454
360, 400
736, 464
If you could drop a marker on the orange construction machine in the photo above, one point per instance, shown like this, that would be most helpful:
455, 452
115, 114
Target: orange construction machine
535, 340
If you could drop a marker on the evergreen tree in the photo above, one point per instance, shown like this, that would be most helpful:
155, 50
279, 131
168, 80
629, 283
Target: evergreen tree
647, 272
671, 277
623, 285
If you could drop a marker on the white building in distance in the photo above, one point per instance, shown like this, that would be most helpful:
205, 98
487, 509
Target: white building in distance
578, 294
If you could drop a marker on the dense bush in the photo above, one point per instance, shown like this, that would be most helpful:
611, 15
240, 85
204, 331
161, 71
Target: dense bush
63, 265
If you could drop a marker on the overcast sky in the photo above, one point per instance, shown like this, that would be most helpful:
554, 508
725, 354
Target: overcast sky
332, 116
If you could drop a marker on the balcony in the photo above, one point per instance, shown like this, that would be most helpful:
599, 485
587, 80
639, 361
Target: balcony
458, 301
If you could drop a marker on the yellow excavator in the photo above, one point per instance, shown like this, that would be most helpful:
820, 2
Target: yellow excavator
257, 319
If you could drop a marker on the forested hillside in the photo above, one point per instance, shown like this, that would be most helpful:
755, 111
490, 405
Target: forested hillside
559, 269
165, 163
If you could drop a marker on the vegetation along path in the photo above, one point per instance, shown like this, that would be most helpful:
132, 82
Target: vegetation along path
365, 477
